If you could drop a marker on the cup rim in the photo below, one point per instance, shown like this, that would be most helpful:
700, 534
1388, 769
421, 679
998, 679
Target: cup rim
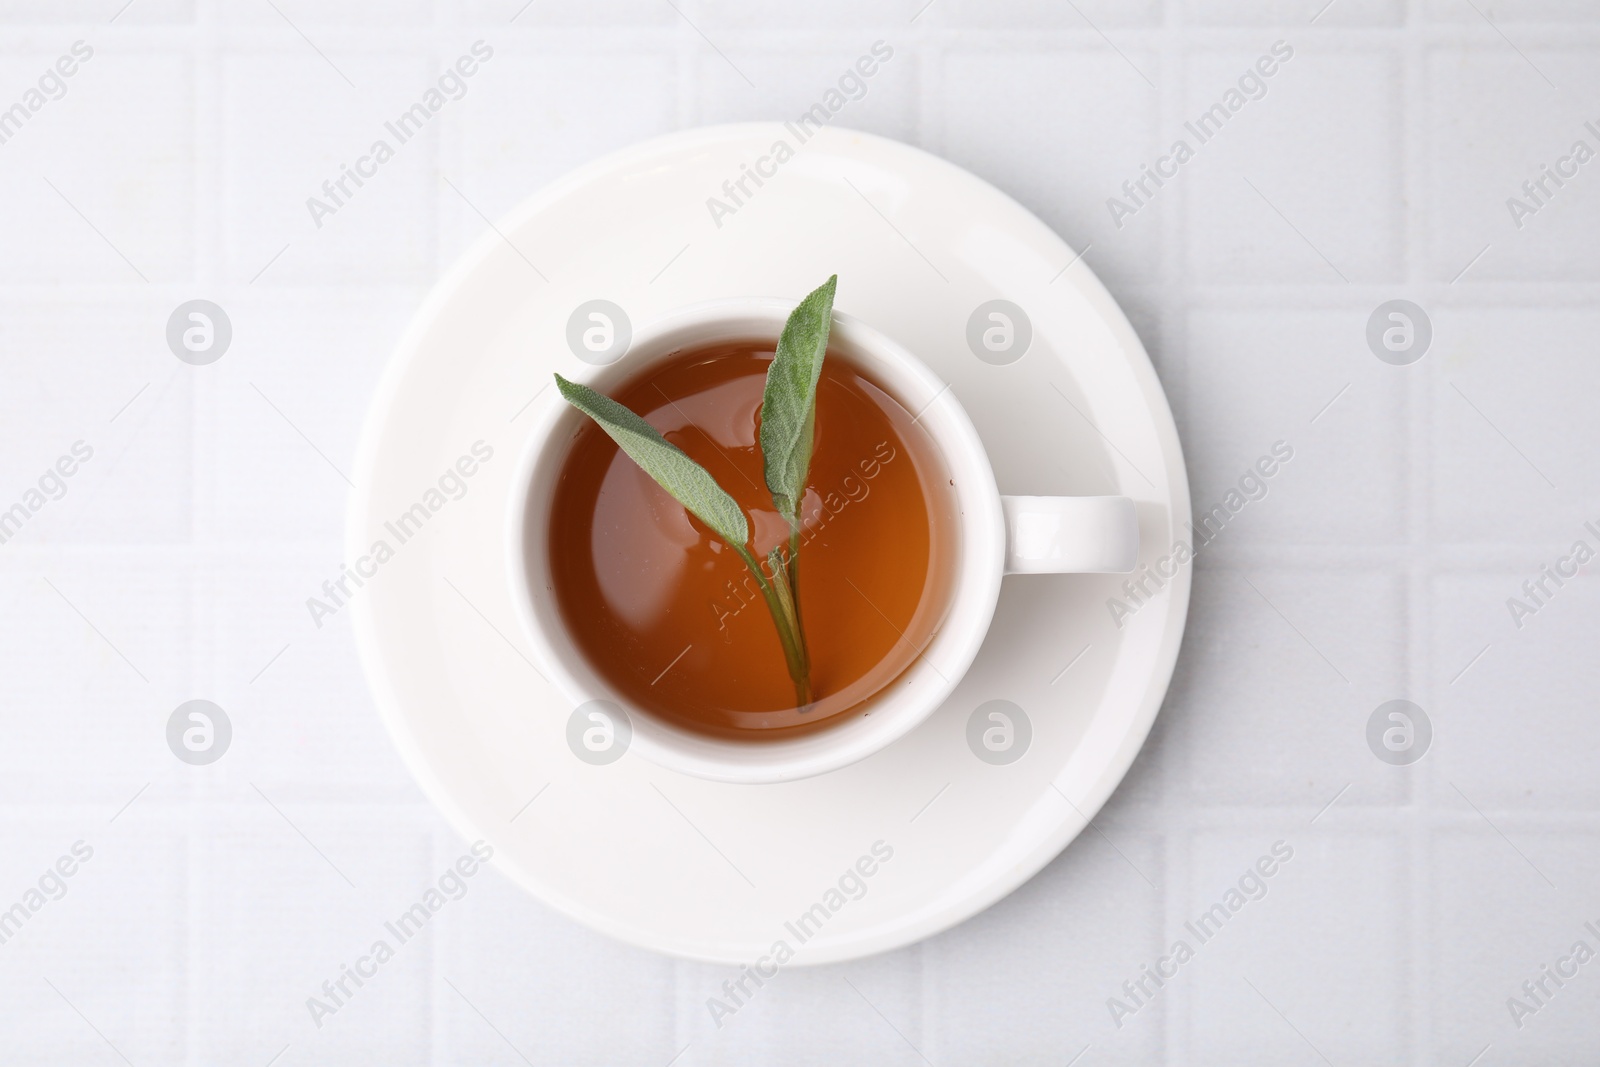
889, 714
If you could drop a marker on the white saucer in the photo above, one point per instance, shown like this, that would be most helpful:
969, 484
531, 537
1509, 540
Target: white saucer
711, 871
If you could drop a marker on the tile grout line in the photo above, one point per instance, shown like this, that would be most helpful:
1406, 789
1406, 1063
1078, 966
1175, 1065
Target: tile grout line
924, 1025
1178, 849
437, 854
207, 136
1413, 133
1172, 323
1560, 816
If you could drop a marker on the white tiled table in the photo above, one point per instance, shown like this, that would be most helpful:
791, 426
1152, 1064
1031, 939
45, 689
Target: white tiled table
176, 165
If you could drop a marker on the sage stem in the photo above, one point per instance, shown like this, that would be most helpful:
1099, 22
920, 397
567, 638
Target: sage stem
780, 600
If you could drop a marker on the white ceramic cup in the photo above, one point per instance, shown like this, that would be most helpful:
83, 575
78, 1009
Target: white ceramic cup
997, 536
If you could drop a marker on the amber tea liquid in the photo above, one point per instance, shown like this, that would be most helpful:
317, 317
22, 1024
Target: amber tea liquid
671, 617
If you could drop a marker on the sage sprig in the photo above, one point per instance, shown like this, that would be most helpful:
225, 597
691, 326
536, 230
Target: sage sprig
788, 422
692, 485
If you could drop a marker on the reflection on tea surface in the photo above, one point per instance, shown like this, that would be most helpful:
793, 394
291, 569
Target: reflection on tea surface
670, 616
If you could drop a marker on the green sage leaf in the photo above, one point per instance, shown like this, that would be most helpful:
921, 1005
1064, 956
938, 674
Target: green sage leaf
688, 483
788, 406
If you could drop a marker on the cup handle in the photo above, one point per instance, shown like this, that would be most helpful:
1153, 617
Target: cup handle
1070, 534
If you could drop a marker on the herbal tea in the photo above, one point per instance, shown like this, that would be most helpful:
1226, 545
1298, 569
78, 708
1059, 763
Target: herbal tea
672, 615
